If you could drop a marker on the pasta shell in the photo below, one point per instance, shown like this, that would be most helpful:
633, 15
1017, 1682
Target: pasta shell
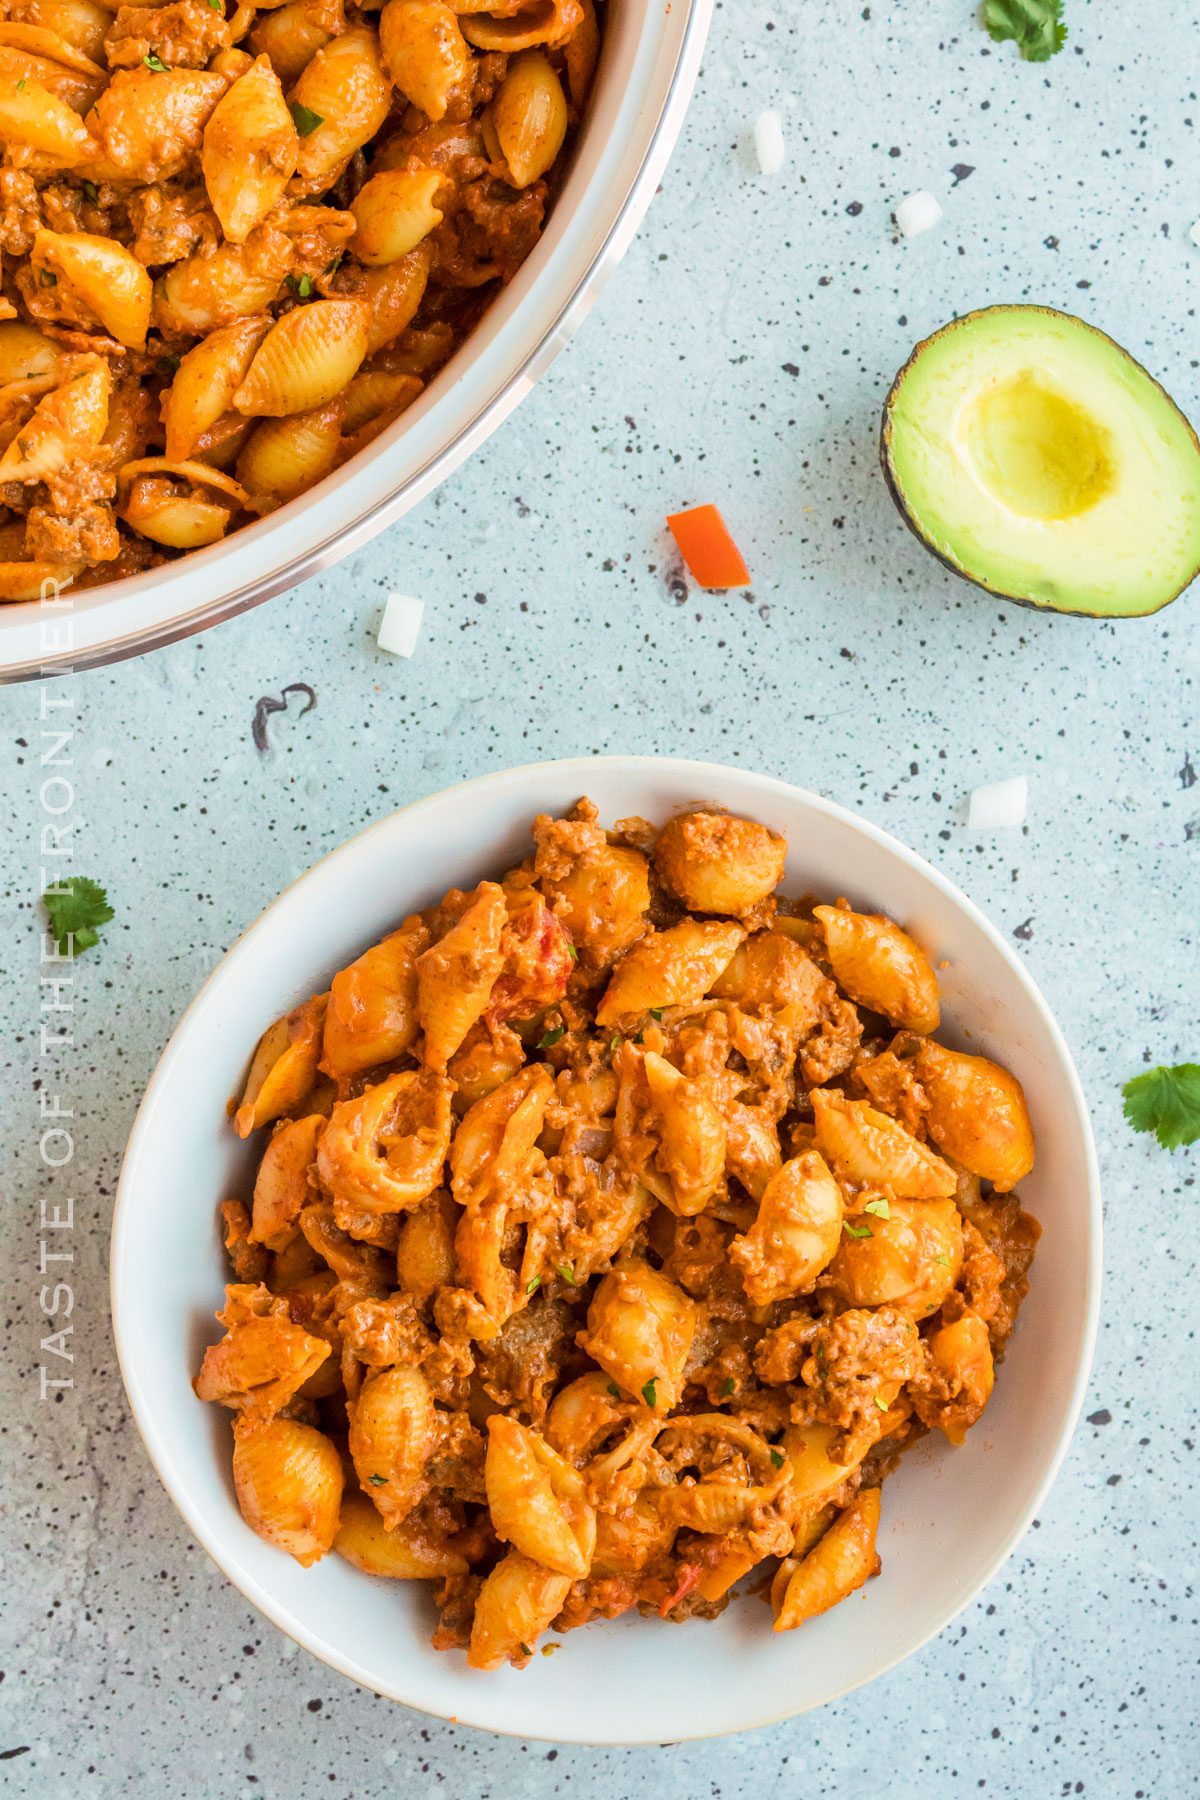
206, 381
250, 151
67, 421
292, 35
549, 22
39, 130
345, 88
288, 1478
206, 291
26, 352
283, 457
395, 210
581, 55
307, 358
377, 391
394, 294
424, 52
80, 23
181, 521
110, 281
27, 52
529, 116
149, 123
35, 580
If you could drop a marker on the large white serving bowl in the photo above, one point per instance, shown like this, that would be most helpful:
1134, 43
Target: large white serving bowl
648, 66
950, 1517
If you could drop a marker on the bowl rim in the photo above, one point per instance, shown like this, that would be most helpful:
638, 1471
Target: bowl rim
32, 659
699, 773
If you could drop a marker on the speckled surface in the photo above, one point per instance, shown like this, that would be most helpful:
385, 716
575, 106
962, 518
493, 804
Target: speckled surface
739, 355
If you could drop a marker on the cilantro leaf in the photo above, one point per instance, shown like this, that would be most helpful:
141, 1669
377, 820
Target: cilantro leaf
156, 63
614, 1390
656, 1012
305, 121
881, 1404
91, 191
855, 1230
650, 1392
880, 1208
727, 1387
1035, 26
568, 1274
377, 1480
532, 1287
551, 1037
776, 1459
1166, 1101
76, 908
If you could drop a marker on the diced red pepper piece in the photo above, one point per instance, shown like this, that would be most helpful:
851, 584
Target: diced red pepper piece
707, 548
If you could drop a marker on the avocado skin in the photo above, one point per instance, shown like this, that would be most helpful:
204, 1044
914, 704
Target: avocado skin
948, 562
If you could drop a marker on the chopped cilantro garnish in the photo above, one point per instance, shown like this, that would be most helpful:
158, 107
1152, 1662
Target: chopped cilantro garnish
614, 1045
168, 366
880, 1208
650, 1392
614, 1390
640, 1038
532, 1286
573, 953
525, 1650
377, 1480
568, 1274
156, 63
656, 1012
47, 279
91, 192
776, 1459
727, 1387
300, 284
881, 1404
1035, 26
333, 267
306, 122
943, 1259
551, 1037
20, 84
1166, 1101
856, 1230
77, 908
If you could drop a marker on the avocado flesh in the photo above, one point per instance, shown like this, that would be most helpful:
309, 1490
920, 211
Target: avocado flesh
1037, 458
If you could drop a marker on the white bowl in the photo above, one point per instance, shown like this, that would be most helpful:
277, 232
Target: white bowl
648, 66
950, 1517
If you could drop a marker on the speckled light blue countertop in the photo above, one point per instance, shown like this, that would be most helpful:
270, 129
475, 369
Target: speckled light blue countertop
740, 355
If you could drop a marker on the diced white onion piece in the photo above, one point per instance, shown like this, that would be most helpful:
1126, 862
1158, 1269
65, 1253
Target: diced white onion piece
916, 213
1194, 233
401, 624
999, 805
768, 142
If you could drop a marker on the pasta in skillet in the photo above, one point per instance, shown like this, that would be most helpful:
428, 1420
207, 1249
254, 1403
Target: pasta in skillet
618, 1225
238, 240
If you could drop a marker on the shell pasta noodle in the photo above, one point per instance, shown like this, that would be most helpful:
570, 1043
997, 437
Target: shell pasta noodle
237, 241
617, 1225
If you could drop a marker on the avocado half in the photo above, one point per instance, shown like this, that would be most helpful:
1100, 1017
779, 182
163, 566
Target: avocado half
1035, 457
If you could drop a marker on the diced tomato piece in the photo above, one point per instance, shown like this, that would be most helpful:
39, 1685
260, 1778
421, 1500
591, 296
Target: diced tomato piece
707, 548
